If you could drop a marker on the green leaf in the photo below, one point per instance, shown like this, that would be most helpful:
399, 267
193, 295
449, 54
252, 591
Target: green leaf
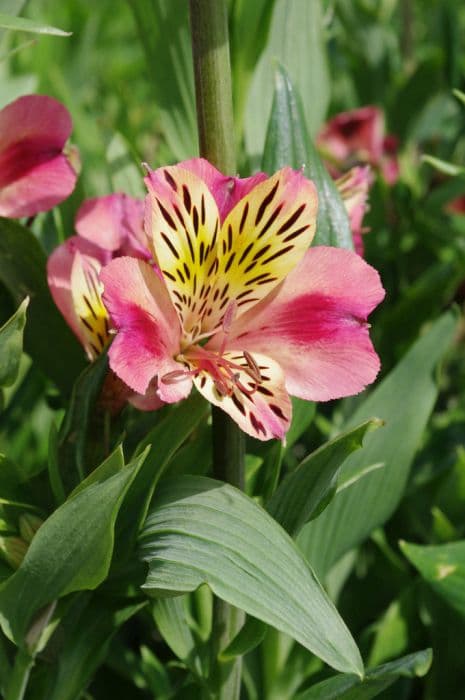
303, 413
80, 446
11, 345
85, 631
404, 401
296, 40
125, 175
287, 143
163, 27
443, 166
459, 95
304, 491
249, 29
162, 442
203, 531
346, 687
71, 551
170, 615
249, 637
443, 567
21, 24
47, 338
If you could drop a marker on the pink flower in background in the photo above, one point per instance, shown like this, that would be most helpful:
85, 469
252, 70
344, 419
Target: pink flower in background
36, 171
358, 137
238, 305
456, 205
107, 227
353, 188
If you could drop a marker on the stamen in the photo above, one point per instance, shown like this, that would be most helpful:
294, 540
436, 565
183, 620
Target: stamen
229, 314
177, 375
254, 368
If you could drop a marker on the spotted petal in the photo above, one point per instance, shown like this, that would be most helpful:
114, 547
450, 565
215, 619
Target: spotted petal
227, 191
260, 408
59, 266
149, 333
315, 326
183, 219
86, 293
262, 240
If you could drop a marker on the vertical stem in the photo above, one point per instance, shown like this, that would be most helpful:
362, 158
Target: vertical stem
19, 678
212, 71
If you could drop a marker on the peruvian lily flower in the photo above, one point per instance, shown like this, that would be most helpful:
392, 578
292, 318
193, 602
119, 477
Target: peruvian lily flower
353, 188
357, 137
37, 171
238, 305
107, 227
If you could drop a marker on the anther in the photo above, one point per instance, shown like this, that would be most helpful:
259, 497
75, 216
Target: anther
253, 367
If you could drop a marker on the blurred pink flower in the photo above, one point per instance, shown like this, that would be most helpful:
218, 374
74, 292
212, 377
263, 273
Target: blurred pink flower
456, 205
353, 188
358, 137
36, 170
238, 305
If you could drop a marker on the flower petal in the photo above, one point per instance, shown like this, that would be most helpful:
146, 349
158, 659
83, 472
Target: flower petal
261, 240
314, 325
262, 409
357, 134
86, 294
148, 328
59, 266
182, 217
35, 175
115, 223
100, 220
353, 188
227, 191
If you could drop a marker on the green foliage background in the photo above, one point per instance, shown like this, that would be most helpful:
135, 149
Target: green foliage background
384, 533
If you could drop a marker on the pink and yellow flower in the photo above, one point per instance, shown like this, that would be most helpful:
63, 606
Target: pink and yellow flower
358, 137
107, 227
236, 302
36, 170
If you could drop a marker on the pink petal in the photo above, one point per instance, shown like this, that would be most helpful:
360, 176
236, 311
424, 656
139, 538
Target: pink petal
264, 409
226, 190
35, 174
115, 223
314, 325
353, 188
357, 133
59, 266
390, 167
456, 205
149, 333
150, 401
100, 220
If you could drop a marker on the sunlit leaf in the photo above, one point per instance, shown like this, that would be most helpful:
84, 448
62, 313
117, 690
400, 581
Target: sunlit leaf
288, 143
203, 531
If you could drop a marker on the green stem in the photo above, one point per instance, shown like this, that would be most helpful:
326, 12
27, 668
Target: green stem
212, 71
20, 676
